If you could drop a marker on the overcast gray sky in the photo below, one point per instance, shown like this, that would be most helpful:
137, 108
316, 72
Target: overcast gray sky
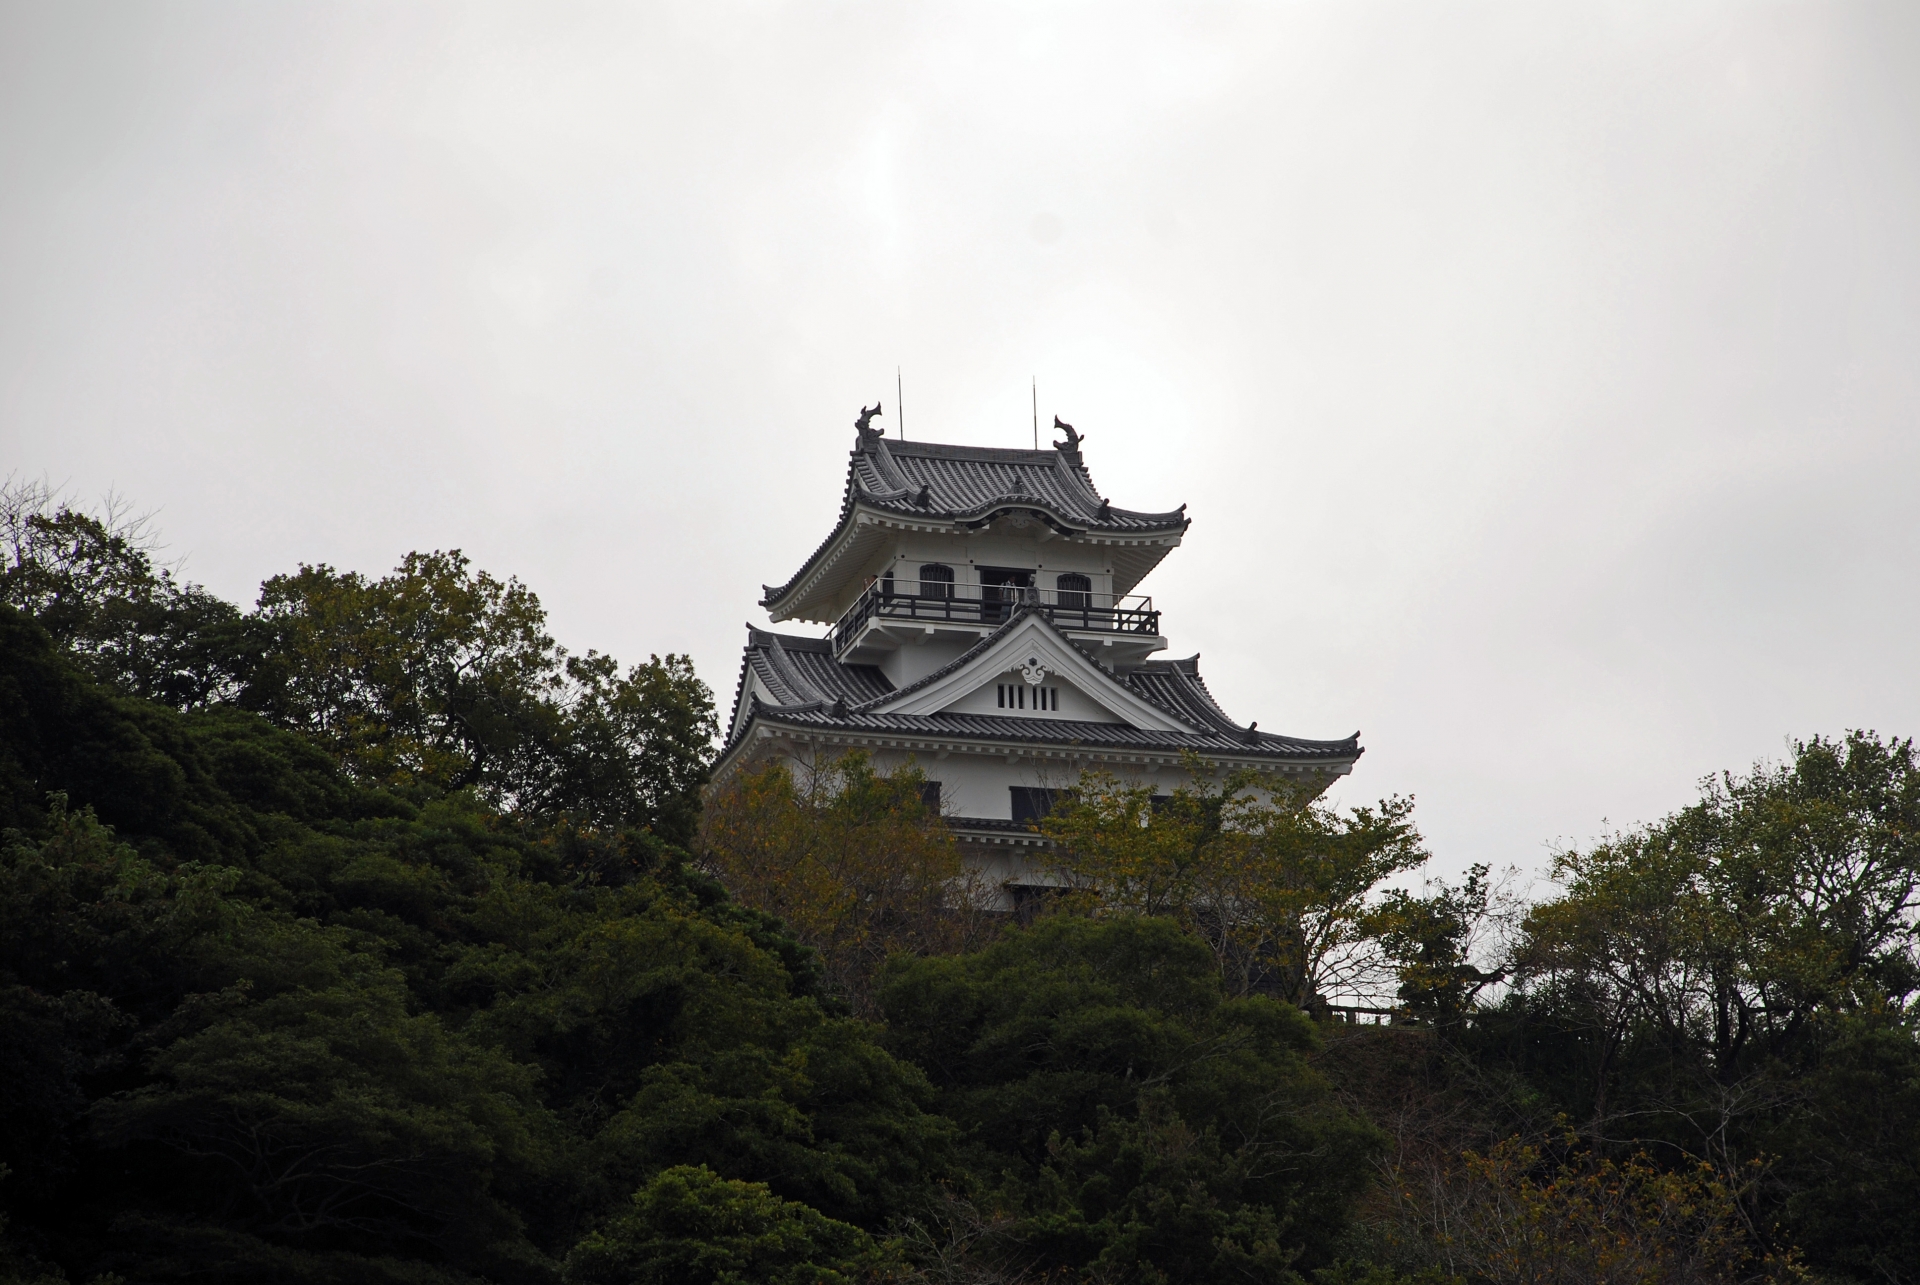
1541, 377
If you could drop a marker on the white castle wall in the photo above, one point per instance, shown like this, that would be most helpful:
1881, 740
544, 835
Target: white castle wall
965, 554
915, 660
977, 785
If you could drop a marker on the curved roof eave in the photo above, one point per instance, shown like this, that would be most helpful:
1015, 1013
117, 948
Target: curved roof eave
772, 596
819, 718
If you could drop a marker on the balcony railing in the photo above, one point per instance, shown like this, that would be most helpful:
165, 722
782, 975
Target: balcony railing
935, 601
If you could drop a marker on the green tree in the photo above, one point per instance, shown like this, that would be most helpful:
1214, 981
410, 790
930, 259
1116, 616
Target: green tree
1727, 928
1126, 1113
1429, 941
1277, 881
434, 674
689, 1226
1520, 1216
281, 1025
92, 582
1709, 982
852, 859
436, 677
1846, 1156
625, 749
441, 677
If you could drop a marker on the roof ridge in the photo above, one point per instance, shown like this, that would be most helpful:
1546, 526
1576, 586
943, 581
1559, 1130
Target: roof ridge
1172, 689
790, 673
771, 656
888, 470
986, 454
1199, 684
1076, 475
740, 689
757, 637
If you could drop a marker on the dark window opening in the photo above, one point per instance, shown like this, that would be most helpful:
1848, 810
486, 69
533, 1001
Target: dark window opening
1031, 803
1006, 577
930, 795
1030, 900
1076, 591
1014, 696
936, 580
999, 587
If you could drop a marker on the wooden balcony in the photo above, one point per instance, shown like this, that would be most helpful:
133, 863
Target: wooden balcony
940, 606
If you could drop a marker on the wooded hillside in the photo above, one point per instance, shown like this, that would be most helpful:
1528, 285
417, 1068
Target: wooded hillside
369, 935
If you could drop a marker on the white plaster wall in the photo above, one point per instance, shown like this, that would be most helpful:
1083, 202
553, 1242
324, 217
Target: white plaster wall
971, 785
998, 867
977, 785
1075, 704
965, 554
914, 661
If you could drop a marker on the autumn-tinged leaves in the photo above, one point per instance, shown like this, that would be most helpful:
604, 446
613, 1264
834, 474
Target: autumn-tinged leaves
1276, 881
853, 860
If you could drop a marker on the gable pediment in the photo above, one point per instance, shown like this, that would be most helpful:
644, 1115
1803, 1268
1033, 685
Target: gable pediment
1031, 654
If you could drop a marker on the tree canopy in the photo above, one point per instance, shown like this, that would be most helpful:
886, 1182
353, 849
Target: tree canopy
368, 934
435, 677
275, 1022
1122, 1111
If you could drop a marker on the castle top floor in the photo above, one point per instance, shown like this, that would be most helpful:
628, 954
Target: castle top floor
935, 540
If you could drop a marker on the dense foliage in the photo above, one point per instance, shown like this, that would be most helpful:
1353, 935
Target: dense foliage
432, 678
1275, 880
271, 1022
858, 864
1121, 1113
368, 935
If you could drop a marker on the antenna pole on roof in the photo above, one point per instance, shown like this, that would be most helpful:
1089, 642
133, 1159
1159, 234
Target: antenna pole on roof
1036, 412
899, 404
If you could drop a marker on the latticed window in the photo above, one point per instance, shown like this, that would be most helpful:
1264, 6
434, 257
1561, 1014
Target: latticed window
1076, 591
936, 580
1025, 696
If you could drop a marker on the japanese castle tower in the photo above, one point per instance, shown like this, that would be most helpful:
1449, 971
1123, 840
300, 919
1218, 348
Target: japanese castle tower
984, 625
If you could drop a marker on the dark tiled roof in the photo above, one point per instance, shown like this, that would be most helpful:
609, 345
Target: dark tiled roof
961, 481
807, 682
967, 485
1061, 731
800, 671
1176, 686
